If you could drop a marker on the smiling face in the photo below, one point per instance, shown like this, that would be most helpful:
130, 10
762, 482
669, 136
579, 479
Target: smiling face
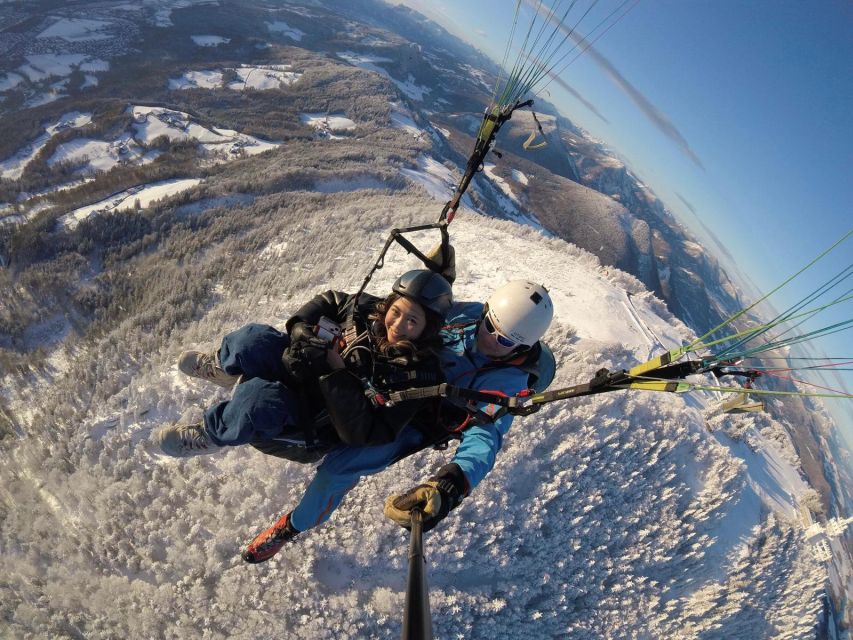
404, 320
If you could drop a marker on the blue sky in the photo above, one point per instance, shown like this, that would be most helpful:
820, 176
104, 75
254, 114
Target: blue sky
738, 115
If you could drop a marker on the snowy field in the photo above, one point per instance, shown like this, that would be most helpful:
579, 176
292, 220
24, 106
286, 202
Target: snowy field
127, 200
92, 155
152, 122
370, 63
12, 168
77, 30
438, 181
402, 118
46, 75
328, 125
100, 155
255, 77
281, 27
503, 185
210, 41
264, 78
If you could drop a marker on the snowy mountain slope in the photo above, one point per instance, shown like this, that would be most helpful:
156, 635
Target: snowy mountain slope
608, 517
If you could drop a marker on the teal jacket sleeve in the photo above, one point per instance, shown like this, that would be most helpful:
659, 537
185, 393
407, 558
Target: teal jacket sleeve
480, 444
479, 448
464, 367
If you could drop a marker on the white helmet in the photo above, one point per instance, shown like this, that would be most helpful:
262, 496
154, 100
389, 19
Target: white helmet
521, 311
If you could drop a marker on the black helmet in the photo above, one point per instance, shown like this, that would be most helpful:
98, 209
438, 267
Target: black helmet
427, 288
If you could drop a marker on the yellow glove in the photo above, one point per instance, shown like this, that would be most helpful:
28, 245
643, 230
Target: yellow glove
448, 265
426, 496
435, 498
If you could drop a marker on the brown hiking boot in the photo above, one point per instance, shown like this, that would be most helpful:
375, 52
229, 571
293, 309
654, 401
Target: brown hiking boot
205, 366
185, 441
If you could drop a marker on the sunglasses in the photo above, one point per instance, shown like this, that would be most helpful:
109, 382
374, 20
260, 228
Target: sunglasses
502, 339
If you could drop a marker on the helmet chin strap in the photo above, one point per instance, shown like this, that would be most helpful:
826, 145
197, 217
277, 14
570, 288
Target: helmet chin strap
519, 350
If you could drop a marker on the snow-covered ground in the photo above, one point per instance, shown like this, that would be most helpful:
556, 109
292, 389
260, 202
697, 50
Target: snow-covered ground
441, 130
12, 168
77, 30
365, 61
771, 476
438, 180
152, 122
197, 80
402, 118
626, 515
46, 75
503, 185
256, 77
615, 516
209, 40
100, 155
263, 78
328, 124
411, 89
149, 124
126, 200
440, 183
279, 26
10, 80
43, 66
370, 62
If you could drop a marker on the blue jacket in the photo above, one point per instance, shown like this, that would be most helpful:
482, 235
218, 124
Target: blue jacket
463, 366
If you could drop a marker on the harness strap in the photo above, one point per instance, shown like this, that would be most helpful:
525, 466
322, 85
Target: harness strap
527, 402
452, 392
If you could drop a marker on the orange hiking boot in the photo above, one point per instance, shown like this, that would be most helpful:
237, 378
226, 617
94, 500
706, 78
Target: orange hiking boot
269, 542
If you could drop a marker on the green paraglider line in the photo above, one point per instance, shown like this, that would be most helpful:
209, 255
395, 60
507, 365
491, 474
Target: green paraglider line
791, 313
747, 309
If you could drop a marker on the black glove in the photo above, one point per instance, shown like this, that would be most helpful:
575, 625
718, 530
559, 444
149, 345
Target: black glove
303, 333
437, 497
305, 359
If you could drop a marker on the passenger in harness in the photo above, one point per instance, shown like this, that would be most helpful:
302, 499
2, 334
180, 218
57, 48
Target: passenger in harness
485, 349
303, 393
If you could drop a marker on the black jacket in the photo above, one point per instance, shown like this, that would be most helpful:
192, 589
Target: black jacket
348, 395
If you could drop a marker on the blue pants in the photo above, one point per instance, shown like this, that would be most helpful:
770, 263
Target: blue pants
261, 408
341, 470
